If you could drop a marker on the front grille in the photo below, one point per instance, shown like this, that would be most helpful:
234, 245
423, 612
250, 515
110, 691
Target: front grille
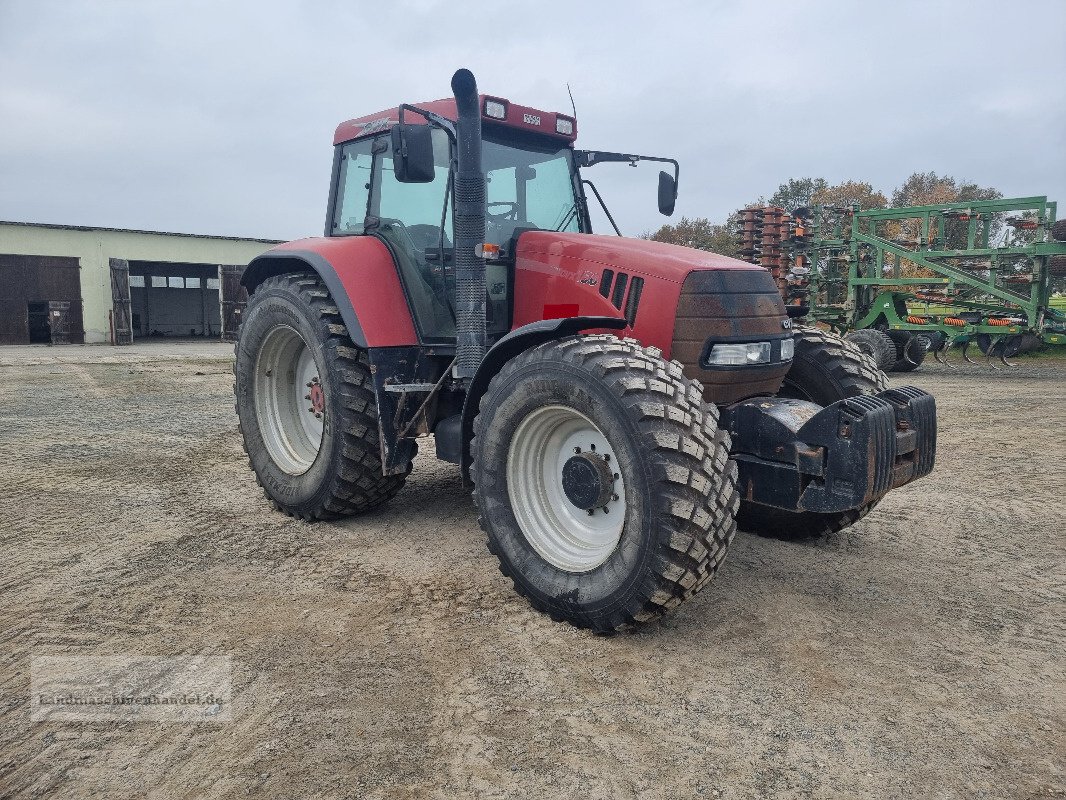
728, 304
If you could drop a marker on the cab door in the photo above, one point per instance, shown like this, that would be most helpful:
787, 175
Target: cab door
414, 220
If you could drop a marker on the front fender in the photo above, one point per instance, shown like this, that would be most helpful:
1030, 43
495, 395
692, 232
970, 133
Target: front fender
515, 342
361, 277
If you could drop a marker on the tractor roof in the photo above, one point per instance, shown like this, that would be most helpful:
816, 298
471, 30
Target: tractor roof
515, 117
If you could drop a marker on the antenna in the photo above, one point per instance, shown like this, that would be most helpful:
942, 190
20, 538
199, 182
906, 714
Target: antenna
572, 104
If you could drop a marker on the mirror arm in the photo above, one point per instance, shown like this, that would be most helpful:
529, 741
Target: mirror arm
588, 158
603, 205
435, 119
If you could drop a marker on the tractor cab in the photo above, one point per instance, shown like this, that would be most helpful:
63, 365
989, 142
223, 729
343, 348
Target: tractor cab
532, 183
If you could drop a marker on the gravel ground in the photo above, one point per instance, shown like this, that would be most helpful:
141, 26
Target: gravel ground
919, 654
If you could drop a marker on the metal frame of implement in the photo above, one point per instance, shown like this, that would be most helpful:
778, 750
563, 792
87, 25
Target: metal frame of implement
995, 295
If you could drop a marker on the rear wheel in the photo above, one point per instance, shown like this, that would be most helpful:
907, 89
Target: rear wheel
602, 481
306, 403
825, 369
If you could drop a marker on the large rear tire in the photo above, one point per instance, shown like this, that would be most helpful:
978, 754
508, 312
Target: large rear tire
825, 369
602, 481
306, 404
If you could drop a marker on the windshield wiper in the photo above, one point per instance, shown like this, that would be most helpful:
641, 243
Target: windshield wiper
569, 216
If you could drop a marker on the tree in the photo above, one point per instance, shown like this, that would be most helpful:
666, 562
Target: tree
797, 192
849, 193
928, 188
699, 233
971, 191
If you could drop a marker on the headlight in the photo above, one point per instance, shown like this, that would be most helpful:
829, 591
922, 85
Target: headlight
564, 125
738, 355
495, 109
788, 349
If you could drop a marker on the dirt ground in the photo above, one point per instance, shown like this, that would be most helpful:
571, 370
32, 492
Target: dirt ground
919, 654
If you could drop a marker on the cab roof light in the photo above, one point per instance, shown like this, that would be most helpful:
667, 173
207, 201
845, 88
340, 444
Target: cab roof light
497, 109
564, 125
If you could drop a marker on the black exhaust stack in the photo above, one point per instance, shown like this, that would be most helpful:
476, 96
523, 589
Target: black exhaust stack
469, 228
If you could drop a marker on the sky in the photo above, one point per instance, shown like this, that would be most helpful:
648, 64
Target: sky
218, 117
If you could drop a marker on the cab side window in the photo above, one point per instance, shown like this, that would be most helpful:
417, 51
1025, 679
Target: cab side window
353, 188
416, 206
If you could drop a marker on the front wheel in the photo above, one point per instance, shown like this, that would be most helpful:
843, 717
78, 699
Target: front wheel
826, 368
876, 344
602, 481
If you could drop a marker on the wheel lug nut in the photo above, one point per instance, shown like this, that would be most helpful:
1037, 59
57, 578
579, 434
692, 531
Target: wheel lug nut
577, 450
616, 476
606, 510
591, 512
307, 397
614, 497
606, 456
592, 447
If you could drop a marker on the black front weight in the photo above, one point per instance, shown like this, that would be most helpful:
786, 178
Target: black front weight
798, 456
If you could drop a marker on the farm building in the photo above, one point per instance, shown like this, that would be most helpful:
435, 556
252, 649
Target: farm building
63, 283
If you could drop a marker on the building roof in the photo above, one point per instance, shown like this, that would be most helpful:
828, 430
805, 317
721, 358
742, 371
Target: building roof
131, 230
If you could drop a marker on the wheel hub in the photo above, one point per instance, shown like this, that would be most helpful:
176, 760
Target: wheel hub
588, 481
316, 396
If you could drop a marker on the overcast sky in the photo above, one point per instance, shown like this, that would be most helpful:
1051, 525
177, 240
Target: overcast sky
217, 117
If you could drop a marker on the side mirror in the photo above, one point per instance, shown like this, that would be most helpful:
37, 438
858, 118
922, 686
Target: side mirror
412, 153
667, 193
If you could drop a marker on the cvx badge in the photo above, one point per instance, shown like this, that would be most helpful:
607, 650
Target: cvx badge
531, 119
786, 323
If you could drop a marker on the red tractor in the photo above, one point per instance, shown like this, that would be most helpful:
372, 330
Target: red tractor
619, 406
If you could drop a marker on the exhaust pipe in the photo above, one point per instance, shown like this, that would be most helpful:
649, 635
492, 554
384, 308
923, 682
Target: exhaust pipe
469, 228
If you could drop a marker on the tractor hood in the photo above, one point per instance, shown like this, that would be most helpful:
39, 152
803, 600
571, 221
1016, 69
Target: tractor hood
674, 298
641, 257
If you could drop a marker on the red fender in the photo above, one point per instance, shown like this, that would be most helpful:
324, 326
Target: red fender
361, 277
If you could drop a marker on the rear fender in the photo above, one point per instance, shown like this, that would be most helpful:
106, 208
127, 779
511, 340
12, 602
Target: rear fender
362, 280
515, 342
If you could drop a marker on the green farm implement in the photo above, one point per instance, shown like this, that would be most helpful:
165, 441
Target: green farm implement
906, 281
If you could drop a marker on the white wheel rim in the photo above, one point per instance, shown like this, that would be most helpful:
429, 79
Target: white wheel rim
563, 534
289, 400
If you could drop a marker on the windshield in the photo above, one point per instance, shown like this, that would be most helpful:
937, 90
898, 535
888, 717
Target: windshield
528, 186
